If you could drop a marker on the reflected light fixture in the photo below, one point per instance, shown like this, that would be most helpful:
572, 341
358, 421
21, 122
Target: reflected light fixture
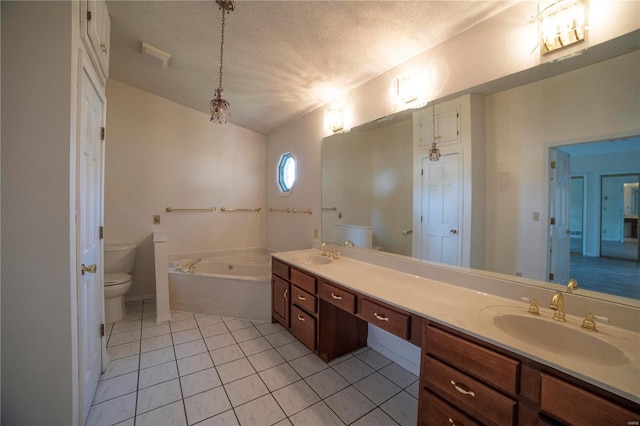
562, 23
335, 119
406, 88
434, 152
219, 108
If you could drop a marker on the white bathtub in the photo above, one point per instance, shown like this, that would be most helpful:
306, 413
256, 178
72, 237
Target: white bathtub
237, 286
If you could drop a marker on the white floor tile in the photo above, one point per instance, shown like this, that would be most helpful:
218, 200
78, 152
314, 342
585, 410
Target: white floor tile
377, 388
353, 369
317, 414
235, 370
157, 357
265, 360
403, 408
194, 364
236, 324
118, 386
157, 374
158, 395
295, 397
246, 334
326, 382
374, 359
172, 414
183, 325
269, 328
398, 375
121, 327
226, 354
181, 316
121, 366
199, 382
123, 351
262, 411
349, 404
228, 418
194, 347
293, 350
122, 338
280, 339
214, 329
246, 389
206, 320
219, 341
186, 336
308, 365
154, 343
254, 346
279, 377
156, 330
206, 404
375, 418
112, 411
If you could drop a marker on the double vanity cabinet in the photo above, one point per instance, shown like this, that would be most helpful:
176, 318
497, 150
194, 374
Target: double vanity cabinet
464, 380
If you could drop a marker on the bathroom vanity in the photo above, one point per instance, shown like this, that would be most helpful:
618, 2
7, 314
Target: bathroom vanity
472, 368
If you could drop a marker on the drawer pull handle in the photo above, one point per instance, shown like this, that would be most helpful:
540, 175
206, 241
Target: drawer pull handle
453, 422
336, 296
286, 291
462, 390
380, 317
301, 297
301, 318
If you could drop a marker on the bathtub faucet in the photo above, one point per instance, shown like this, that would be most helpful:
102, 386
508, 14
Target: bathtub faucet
190, 266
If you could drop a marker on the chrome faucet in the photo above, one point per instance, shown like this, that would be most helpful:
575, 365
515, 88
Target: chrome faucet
349, 243
190, 267
557, 304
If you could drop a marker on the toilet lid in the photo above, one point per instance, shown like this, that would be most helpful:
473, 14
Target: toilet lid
116, 278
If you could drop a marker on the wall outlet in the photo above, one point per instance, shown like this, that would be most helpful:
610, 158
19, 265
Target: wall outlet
156, 219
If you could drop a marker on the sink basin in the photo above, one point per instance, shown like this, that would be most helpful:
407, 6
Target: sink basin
560, 338
312, 259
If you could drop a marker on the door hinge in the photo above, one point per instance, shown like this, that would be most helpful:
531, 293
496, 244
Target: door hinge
421, 172
550, 277
101, 232
101, 330
420, 218
88, 15
553, 220
457, 115
101, 133
553, 164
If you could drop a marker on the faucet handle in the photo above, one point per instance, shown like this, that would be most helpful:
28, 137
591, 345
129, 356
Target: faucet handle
589, 322
572, 285
533, 305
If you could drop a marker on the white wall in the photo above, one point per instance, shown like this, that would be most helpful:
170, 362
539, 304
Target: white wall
589, 104
39, 335
159, 154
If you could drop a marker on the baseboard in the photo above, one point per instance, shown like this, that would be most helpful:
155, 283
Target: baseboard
396, 349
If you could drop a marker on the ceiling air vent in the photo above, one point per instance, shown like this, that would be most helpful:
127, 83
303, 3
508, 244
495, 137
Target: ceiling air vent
156, 54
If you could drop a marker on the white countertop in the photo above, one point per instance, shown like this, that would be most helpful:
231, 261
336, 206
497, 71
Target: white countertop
472, 311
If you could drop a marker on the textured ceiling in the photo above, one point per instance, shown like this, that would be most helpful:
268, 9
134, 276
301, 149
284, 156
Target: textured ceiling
282, 59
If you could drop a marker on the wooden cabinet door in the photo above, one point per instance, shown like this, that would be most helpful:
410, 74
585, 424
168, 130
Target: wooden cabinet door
280, 300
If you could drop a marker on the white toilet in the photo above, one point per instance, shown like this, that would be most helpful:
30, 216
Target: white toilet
118, 263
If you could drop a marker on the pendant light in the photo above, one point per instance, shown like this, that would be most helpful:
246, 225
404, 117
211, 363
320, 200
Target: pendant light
219, 108
434, 152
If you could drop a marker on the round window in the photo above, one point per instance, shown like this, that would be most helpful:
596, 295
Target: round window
286, 172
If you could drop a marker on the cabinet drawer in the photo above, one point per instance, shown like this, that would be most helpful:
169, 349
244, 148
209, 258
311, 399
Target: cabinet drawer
495, 369
304, 281
280, 269
339, 297
304, 299
393, 321
577, 406
468, 394
303, 327
435, 411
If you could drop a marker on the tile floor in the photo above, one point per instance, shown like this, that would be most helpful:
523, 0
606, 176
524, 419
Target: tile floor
210, 370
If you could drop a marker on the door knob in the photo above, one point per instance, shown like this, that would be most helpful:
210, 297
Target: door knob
90, 269
454, 231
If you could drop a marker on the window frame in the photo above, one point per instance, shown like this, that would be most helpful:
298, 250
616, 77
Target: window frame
280, 173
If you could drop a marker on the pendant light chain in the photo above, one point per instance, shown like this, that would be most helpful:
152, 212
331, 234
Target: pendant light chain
221, 50
434, 152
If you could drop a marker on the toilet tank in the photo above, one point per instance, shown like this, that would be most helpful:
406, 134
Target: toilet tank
119, 258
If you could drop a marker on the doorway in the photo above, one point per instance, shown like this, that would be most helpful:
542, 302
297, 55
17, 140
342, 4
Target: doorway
619, 216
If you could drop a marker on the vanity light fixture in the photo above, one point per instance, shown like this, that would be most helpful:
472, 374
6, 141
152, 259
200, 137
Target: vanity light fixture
219, 108
405, 88
562, 23
434, 152
335, 119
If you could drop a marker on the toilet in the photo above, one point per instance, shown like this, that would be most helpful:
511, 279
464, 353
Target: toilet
118, 263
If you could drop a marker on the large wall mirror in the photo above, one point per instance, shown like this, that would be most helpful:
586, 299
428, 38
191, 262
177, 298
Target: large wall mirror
369, 178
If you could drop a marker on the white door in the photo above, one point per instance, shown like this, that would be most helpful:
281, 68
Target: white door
440, 234
89, 216
559, 202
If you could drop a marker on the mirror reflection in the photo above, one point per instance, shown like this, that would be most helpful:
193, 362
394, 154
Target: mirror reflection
375, 196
